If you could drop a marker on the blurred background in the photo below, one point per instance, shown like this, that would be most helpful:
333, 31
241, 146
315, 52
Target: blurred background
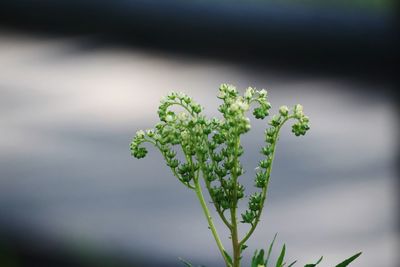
78, 78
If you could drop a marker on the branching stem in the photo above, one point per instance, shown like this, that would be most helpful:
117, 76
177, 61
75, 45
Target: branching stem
265, 189
211, 225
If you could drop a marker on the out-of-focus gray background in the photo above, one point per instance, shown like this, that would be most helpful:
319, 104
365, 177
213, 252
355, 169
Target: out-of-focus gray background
70, 101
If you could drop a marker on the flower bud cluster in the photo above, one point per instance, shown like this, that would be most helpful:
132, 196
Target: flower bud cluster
222, 195
137, 151
185, 128
255, 205
211, 147
233, 109
224, 146
271, 137
301, 127
177, 99
263, 110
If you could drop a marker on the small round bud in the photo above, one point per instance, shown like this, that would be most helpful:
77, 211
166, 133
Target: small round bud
247, 217
284, 111
264, 164
140, 134
298, 111
249, 93
267, 150
169, 118
150, 132
173, 163
263, 93
276, 121
261, 179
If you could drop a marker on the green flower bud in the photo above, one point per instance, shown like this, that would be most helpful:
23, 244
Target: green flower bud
225, 204
249, 93
276, 121
169, 118
150, 132
228, 165
284, 111
187, 177
139, 152
267, 150
248, 217
196, 108
255, 202
261, 179
269, 139
270, 131
217, 157
260, 113
264, 164
184, 167
140, 134
172, 95
170, 154
263, 93
298, 111
173, 163
221, 172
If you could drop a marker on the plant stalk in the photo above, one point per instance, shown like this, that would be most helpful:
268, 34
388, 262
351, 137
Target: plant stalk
265, 189
211, 225
234, 229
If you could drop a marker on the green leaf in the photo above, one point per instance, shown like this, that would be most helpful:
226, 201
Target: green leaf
314, 264
228, 257
260, 257
243, 247
270, 249
292, 264
349, 260
279, 262
254, 260
187, 264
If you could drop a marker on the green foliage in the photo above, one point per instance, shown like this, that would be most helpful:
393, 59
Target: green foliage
259, 261
211, 150
314, 264
349, 260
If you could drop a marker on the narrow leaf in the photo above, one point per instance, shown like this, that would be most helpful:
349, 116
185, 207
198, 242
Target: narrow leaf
270, 249
254, 259
260, 257
281, 257
349, 260
314, 264
228, 257
290, 265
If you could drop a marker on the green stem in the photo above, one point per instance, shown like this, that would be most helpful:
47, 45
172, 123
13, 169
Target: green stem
265, 189
211, 225
218, 209
182, 105
234, 229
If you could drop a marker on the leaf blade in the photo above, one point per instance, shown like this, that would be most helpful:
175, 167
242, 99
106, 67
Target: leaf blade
228, 257
270, 249
279, 262
349, 260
